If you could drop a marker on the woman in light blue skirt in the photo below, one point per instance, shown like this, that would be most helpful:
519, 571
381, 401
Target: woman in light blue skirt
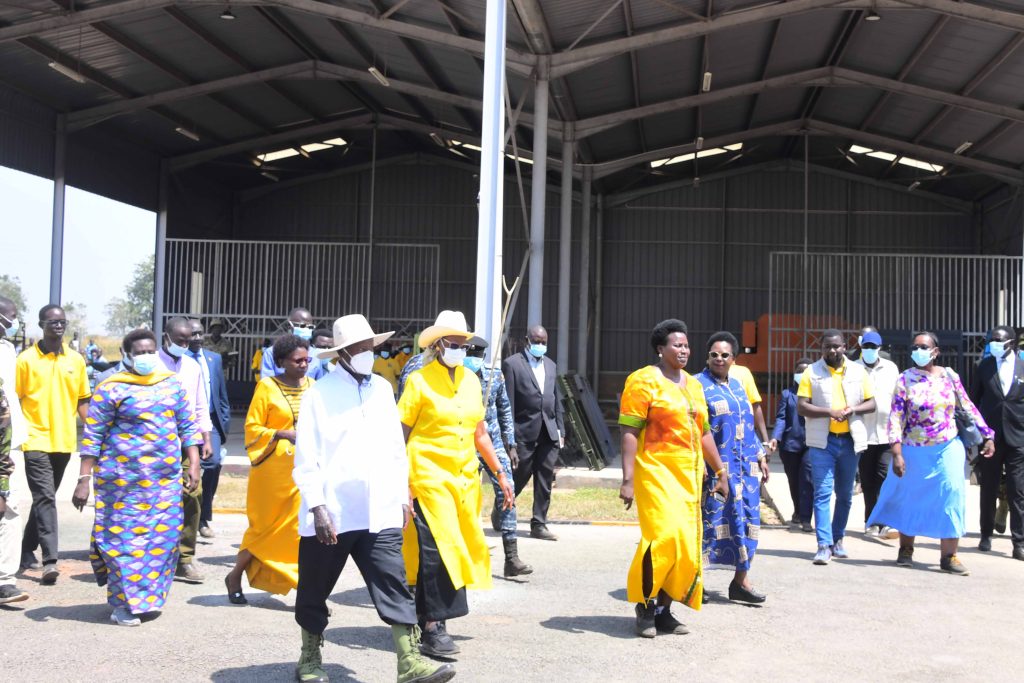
926, 497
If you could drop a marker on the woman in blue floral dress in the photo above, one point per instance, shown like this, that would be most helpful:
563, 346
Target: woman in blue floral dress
731, 528
139, 423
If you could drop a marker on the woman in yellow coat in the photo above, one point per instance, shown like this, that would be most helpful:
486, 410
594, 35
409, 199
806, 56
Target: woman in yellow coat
269, 553
442, 414
665, 442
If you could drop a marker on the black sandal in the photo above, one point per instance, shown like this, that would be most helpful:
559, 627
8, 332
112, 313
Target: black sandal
235, 597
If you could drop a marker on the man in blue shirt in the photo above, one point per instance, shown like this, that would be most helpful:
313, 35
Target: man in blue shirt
788, 433
300, 323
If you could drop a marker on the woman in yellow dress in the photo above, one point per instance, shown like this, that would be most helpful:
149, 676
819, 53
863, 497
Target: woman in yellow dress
442, 414
665, 442
269, 553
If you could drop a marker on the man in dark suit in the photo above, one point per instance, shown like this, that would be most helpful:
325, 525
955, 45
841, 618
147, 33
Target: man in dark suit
212, 365
537, 412
998, 391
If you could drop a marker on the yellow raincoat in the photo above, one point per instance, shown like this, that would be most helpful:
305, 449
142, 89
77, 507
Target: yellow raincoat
272, 499
443, 475
667, 481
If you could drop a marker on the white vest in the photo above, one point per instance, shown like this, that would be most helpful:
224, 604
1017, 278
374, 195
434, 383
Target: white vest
821, 396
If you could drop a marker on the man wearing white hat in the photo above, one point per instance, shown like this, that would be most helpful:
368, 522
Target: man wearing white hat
352, 472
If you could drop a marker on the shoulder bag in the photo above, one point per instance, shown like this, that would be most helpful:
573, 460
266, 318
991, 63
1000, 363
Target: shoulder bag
966, 428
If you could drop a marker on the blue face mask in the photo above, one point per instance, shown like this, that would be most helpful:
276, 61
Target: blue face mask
869, 356
407, 350
15, 325
538, 350
797, 376
473, 363
302, 332
175, 350
921, 357
144, 363
325, 364
385, 354
997, 348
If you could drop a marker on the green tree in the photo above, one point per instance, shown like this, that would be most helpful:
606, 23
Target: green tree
77, 320
11, 288
136, 307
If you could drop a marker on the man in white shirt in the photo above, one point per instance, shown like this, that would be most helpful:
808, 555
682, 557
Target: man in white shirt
352, 472
10, 516
874, 462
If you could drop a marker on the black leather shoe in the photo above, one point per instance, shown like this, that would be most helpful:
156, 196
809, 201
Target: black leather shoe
1018, 553
436, 643
542, 533
738, 593
985, 544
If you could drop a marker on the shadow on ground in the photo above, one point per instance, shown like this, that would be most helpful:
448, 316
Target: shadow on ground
615, 627
276, 672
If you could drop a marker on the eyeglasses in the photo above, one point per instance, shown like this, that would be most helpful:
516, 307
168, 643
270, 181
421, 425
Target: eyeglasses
54, 323
715, 355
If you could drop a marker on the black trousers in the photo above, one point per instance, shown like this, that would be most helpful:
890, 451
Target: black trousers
44, 472
873, 467
801, 487
1012, 459
211, 477
437, 598
537, 459
379, 559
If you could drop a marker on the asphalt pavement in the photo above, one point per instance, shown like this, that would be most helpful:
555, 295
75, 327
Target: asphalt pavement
859, 619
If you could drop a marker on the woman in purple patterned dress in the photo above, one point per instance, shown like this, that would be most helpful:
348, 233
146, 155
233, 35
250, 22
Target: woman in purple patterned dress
926, 497
138, 424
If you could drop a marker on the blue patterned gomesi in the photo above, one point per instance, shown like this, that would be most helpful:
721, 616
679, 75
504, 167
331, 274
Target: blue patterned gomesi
731, 528
135, 432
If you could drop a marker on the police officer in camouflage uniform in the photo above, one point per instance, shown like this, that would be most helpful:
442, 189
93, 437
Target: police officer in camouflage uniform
218, 344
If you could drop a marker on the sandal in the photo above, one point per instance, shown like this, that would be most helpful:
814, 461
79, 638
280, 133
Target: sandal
235, 597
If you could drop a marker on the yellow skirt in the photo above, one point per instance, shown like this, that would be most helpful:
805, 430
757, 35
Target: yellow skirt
667, 490
272, 504
451, 508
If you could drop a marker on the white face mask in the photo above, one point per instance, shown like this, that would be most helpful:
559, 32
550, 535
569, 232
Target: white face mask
453, 357
362, 363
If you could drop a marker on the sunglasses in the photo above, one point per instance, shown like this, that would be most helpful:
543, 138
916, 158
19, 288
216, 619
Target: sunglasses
715, 355
452, 345
302, 326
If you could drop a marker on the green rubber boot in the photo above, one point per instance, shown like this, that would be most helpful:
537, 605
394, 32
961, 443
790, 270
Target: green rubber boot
412, 668
310, 668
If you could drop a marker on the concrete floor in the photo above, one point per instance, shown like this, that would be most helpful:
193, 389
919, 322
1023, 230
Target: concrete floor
859, 619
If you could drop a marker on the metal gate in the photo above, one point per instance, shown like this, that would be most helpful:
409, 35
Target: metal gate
958, 297
252, 285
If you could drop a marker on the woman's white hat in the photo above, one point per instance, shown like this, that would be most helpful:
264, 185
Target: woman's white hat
448, 324
352, 329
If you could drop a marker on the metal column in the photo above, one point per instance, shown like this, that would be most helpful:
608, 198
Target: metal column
582, 328
538, 197
492, 182
160, 266
598, 286
565, 252
57, 232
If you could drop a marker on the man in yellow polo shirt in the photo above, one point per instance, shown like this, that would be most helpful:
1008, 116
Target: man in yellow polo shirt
833, 396
52, 386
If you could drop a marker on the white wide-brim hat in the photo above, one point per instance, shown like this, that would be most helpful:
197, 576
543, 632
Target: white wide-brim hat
352, 329
448, 324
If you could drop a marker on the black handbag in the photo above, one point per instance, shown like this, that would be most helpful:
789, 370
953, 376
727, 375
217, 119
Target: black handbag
966, 428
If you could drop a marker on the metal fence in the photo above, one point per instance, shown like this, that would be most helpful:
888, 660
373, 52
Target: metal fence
958, 297
252, 285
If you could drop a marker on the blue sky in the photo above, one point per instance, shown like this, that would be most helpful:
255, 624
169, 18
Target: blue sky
103, 240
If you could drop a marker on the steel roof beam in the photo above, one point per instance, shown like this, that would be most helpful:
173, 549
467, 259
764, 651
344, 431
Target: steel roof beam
184, 161
606, 168
1008, 174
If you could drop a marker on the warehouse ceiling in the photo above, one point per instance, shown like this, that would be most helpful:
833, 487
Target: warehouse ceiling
920, 94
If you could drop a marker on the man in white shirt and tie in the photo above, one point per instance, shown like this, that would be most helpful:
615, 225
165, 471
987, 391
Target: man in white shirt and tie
352, 472
998, 391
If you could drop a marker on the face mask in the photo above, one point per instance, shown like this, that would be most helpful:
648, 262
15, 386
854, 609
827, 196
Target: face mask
14, 327
302, 332
385, 354
538, 350
144, 363
869, 356
921, 357
453, 357
407, 349
175, 350
1020, 354
473, 363
797, 376
997, 348
362, 363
